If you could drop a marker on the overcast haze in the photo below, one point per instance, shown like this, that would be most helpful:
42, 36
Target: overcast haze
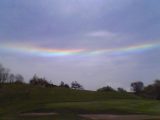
95, 42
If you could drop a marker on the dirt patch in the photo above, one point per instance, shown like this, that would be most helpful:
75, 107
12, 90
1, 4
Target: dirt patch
120, 117
37, 114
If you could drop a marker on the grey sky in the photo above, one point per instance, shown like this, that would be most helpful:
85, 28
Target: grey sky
82, 24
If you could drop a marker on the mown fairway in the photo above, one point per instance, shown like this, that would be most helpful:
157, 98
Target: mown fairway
18, 99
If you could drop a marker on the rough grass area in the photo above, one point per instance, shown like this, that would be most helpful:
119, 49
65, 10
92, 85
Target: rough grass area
18, 99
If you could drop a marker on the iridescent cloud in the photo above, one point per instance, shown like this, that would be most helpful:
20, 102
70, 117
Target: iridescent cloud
48, 52
39, 51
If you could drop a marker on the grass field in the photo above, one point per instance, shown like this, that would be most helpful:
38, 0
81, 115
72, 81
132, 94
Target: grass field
17, 99
65, 116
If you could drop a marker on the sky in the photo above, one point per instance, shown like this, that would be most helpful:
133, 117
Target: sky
94, 42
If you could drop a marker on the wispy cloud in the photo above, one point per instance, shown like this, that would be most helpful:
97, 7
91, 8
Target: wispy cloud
105, 34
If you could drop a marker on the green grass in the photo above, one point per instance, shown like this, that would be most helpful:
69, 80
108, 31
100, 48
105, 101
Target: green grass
69, 116
122, 106
16, 99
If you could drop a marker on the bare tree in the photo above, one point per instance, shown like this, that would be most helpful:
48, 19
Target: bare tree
1, 73
4, 74
12, 78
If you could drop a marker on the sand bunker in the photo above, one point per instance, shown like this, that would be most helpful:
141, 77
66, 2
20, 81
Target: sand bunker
119, 117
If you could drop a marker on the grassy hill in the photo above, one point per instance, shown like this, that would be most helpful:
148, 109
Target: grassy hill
16, 99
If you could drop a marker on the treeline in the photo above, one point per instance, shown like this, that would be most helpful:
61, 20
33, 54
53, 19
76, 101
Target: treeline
150, 91
37, 81
9, 78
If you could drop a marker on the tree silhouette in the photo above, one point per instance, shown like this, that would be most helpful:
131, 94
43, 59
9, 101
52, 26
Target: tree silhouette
153, 90
62, 84
36, 81
19, 79
121, 90
12, 78
76, 85
106, 89
4, 74
137, 87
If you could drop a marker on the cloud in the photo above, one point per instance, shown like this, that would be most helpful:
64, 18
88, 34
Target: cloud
105, 34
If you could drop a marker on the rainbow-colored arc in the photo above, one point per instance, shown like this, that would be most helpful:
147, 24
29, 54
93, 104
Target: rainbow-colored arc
40, 51
67, 52
128, 49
